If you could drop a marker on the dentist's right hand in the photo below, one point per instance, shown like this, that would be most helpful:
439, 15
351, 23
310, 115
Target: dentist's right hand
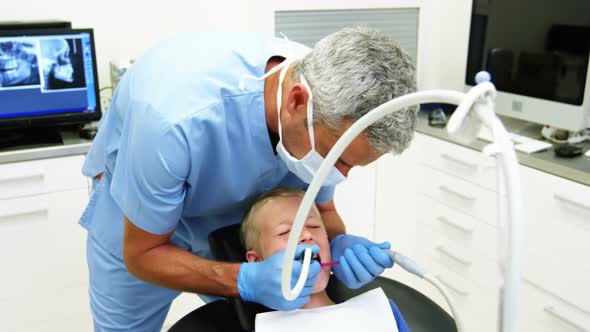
260, 282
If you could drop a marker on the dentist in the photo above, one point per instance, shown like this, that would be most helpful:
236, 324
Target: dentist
201, 125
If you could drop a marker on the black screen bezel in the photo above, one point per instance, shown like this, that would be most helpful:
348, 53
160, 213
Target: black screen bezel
60, 119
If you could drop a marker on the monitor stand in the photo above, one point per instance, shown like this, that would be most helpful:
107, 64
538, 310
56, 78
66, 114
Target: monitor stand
17, 139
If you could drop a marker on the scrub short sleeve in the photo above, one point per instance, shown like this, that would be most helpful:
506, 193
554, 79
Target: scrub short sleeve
152, 164
325, 195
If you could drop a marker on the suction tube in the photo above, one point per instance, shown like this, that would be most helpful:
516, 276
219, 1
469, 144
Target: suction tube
476, 105
394, 105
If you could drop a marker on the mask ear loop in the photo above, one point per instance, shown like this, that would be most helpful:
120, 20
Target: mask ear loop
270, 72
284, 66
309, 111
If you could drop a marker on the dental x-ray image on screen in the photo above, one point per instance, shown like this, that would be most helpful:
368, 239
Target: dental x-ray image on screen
18, 64
62, 62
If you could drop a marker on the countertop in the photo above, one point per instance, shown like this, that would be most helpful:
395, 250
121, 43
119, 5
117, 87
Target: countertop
575, 169
73, 145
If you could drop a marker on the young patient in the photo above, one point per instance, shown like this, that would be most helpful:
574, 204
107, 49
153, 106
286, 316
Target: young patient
265, 231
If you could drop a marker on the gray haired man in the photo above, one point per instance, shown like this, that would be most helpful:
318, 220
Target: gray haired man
183, 151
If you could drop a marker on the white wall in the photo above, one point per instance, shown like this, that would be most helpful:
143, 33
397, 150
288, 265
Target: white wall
125, 29
443, 34
444, 37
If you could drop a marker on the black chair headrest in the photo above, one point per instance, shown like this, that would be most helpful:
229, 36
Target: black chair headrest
226, 245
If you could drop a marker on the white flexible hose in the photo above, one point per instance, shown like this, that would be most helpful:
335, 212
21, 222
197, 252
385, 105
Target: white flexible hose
303, 276
412, 267
397, 104
443, 290
511, 219
465, 105
506, 161
514, 229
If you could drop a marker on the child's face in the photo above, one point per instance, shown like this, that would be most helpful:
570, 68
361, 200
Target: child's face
274, 223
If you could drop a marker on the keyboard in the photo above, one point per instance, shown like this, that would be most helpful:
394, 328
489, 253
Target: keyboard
521, 143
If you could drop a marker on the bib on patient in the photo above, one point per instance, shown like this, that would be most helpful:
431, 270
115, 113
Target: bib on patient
367, 312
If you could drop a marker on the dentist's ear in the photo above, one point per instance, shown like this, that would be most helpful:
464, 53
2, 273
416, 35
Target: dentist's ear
297, 102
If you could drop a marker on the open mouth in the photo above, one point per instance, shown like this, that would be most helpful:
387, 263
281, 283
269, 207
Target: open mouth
318, 258
313, 257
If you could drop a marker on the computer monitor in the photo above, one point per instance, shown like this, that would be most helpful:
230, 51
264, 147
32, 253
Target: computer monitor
48, 77
537, 52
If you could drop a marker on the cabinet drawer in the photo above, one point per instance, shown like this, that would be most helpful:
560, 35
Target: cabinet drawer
458, 194
558, 236
42, 245
469, 264
41, 176
476, 303
453, 159
458, 228
542, 311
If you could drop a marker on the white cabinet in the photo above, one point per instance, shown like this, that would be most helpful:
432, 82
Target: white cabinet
558, 237
437, 204
355, 201
44, 278
41, 176
543, 311
43, 270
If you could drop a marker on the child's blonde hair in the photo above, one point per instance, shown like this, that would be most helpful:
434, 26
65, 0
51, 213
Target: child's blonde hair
248, 231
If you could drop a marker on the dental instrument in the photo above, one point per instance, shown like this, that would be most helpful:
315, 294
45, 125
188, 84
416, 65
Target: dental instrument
332, 263
475, 108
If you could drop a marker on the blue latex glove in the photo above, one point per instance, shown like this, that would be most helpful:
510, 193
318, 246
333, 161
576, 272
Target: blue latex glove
361, 260
260, 282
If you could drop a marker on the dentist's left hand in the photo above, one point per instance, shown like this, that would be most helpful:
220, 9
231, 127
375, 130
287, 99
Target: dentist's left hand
361, 260
260, 282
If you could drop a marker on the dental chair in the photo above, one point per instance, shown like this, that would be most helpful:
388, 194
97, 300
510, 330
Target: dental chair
421, 313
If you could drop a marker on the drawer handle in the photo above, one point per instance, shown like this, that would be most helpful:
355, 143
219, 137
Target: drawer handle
35, 210
454, 256
459, 290
555, 313
461, 162
454, 224
21, 177
570, 201
456, 193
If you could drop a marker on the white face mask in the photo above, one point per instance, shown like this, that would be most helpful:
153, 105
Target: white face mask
306, 167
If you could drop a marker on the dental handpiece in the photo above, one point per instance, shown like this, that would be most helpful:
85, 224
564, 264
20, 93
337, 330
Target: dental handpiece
406, 263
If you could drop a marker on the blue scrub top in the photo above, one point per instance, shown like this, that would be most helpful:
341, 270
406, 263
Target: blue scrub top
184, 145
